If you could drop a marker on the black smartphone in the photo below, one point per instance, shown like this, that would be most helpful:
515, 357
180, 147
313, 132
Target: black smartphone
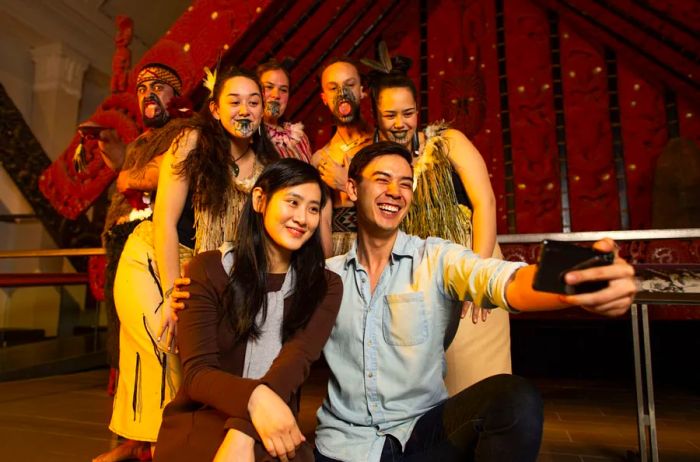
558, 258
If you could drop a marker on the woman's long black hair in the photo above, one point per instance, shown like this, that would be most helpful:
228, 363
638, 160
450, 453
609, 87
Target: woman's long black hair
208, 166
245, 292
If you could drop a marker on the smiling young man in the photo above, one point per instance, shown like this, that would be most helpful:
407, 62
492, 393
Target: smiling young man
386, 396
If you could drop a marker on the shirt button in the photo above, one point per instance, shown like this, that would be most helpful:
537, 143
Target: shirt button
369, 343
369, 374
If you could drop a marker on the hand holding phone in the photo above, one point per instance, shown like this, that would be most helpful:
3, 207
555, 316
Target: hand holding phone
558, 258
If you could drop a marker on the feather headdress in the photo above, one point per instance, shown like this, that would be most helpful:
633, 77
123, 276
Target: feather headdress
384, 63
209, 80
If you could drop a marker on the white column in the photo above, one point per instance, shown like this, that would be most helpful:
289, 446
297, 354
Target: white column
57, 89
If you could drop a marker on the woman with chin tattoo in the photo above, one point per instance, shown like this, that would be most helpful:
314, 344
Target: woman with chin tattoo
289, 138
205, 178
207, 175
453, 199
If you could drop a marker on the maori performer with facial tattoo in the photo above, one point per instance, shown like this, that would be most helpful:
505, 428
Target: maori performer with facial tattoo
341, 92
158, 89
289, 138
205, 177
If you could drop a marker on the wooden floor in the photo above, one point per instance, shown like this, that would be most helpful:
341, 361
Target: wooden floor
64, 418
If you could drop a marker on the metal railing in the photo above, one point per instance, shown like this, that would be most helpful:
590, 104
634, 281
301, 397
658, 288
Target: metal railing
29, 348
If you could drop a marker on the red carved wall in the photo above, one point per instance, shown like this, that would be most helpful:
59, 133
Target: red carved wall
569, 117
591, 167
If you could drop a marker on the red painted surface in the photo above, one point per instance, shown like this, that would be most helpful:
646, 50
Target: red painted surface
42, 279
463, 82
644, 135
589, 142
689, 120
532, 119
464, 88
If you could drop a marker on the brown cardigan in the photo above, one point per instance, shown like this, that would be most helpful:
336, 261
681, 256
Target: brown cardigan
213, 396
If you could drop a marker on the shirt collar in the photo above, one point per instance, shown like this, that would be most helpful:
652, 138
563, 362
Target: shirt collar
401, 249
351, 256
401, 246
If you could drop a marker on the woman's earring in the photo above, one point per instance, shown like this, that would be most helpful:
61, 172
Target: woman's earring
415, 144
260, 129
376, 135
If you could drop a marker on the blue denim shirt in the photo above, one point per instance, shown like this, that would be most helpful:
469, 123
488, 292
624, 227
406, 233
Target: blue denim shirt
386, 351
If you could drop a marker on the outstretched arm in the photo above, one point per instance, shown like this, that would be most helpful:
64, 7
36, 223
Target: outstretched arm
493, 282
614, 300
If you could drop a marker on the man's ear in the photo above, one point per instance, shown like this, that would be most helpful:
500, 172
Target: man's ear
324, 98
258, 198
362, 92
351, 189
214, 109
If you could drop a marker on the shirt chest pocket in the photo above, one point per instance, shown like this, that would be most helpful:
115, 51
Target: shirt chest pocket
404, 321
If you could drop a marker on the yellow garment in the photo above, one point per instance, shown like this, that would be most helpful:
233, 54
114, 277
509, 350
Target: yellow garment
148, 377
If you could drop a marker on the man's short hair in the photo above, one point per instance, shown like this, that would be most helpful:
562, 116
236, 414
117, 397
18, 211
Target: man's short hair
338, 59
367, 154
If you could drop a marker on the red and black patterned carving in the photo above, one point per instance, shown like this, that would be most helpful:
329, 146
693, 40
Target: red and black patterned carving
532, 120
205, 31
644, 135
465, 86
591, 170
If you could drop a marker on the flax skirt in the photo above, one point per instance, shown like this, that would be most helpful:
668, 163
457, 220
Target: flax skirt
148, 376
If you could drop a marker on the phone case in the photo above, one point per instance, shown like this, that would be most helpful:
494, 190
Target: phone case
557, 258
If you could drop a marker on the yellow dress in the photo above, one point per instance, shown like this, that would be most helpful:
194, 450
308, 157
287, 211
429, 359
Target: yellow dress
148, 376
